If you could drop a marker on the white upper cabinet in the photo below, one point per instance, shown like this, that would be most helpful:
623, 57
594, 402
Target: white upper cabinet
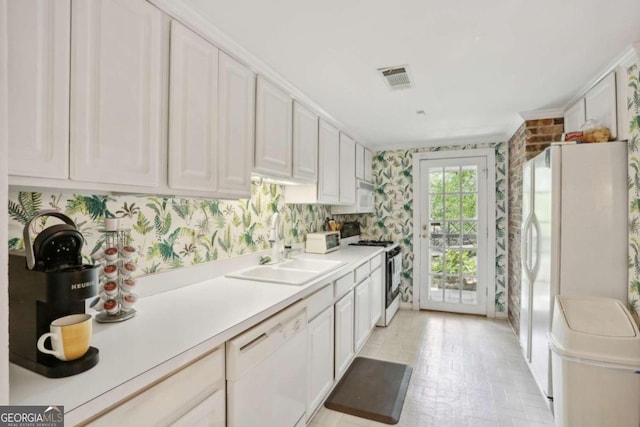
38, 42
600, 103
305, 144
359, 161
193, 111
117, 68
274, 116
368, 161
364, 157
347, 170
236, 107
574, 117
329, 163
327, 189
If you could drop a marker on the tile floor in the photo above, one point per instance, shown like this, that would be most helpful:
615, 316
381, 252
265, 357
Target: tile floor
467, 371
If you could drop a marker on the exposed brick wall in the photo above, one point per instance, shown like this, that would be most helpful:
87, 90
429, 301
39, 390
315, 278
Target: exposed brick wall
540, 134
517, 158
528, 141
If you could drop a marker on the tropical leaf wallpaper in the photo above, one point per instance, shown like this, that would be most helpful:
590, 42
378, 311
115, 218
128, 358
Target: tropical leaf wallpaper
393, 175
170, 232
633, 105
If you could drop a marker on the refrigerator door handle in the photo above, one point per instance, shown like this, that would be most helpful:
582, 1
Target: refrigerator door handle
524, 255
536, 252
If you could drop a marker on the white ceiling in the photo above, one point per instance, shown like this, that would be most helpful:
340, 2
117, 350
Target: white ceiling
475, 64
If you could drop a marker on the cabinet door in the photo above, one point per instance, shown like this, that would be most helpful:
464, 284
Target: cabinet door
38, 49
208, 413
574, 117
193, 111
305, 144
362, 312
368, 160
347, 170
320, 359
344, 334
377, 296
197, 387
359, 161
600, 103
117, 67
329, 163
236, 107
273, 131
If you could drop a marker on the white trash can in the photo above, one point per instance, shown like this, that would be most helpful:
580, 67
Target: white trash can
595, 347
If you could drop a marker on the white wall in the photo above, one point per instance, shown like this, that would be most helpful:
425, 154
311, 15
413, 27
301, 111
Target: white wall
4, 299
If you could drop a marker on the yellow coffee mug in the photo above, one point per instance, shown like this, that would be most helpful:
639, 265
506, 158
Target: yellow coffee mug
70, 337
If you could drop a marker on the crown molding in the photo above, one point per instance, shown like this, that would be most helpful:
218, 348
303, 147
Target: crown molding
441, 142
542, 114
518, 120
628, 57
205, 29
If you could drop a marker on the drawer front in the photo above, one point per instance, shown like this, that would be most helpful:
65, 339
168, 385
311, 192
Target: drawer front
319, 301
362, 272
343, 284
210, 413
172, 398
376, 261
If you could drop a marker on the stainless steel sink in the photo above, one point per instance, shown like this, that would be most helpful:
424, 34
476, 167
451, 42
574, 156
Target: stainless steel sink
291, 272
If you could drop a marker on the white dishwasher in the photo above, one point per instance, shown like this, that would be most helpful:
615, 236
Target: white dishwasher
266, 372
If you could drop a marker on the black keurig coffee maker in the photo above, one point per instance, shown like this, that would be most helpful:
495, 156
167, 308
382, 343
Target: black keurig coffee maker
48, 281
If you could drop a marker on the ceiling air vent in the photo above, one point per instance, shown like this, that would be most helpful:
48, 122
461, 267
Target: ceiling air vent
396, 77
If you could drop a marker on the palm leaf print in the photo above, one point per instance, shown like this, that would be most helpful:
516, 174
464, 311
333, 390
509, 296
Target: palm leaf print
96, 206
142, 225
183, 209
16, 244
128, 211
632, 145
29, 204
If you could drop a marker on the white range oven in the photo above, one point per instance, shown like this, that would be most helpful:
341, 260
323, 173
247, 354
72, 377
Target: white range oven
350, 234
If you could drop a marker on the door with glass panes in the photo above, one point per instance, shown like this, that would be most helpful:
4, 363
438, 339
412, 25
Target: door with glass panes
453, 233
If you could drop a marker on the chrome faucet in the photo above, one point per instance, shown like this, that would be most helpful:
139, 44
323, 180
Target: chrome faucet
274, 238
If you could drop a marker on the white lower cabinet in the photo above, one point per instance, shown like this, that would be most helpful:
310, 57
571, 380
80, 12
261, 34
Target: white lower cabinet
344, 334
362, 325
377, 295
209, 413
320, 359
194, 395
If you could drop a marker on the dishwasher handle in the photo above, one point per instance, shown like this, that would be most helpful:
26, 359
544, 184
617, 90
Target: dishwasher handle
256, 344
248, 346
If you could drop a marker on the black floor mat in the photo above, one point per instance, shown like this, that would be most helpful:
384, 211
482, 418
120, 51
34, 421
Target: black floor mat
372, 389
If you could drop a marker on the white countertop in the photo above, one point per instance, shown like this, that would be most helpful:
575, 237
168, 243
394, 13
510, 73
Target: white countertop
175, 326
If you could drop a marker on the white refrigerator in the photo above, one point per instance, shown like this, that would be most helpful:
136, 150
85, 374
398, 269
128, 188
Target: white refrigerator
574, 237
